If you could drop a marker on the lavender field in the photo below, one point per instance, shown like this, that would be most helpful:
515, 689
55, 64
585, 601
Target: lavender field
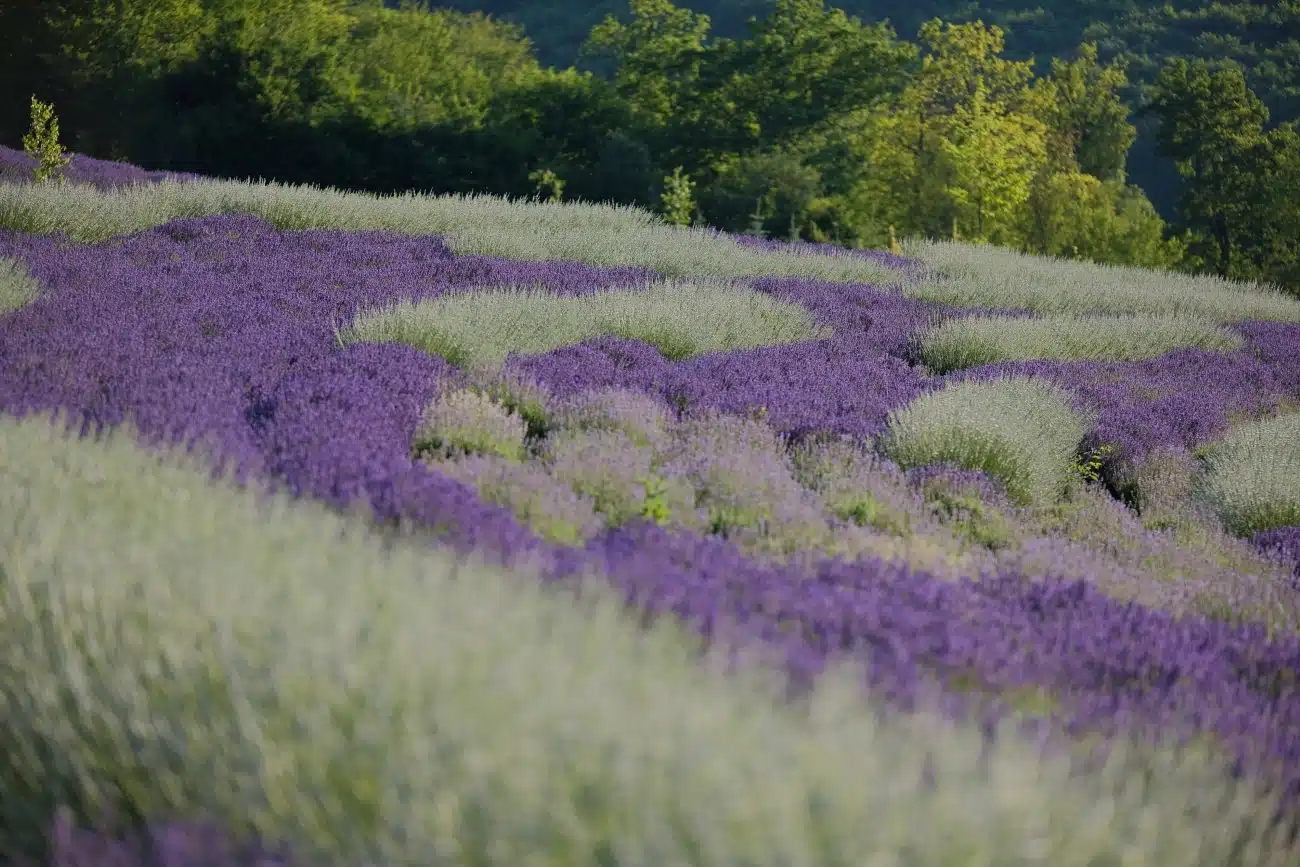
349, 530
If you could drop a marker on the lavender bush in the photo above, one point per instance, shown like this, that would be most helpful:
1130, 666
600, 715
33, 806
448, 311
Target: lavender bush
17, 288
1179, 400
480, 328
1020, 430
958, 344
987, 276
363, 706
622, 478
1284, 544
638, 416
1252, 476
463, 421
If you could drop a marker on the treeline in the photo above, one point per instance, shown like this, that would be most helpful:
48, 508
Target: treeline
811, 125
1259, 36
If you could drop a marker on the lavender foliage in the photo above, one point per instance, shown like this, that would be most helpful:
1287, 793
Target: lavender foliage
219, 331
845, 384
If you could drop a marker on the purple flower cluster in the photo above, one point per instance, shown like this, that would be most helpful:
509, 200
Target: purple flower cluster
1283, 543
170, 844
17, 167
1277, 346
1106, 663
220, 330
846, 384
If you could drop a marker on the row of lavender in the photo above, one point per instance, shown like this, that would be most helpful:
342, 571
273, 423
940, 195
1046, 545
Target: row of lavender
17, 166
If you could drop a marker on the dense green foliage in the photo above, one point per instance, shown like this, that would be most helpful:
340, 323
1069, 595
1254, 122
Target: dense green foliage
1260, 36
805, 122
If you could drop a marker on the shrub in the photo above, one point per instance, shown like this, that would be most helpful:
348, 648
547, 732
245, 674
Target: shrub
42, 143
1018, 429
464, 421
958, 344
1252, 476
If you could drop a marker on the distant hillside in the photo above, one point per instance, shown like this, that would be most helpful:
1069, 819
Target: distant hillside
1263, 36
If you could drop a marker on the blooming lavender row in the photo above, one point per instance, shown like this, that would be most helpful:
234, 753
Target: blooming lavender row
221, 329
17, 167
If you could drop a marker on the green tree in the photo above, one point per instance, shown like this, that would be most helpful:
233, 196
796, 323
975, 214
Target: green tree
768, 190
42, 143
677, 200
926, 152
416, 66
802, 66
698, 105
659, 55
548, 186
1073, 214
1090, 128
1212, 125
992, 155
97, 59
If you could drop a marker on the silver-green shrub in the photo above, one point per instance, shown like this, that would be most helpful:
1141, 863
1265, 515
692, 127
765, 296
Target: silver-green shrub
1022, 430
466, 421
1251, 477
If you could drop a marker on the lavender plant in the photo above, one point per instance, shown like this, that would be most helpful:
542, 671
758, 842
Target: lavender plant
618, 476
17, 288
958, 344
638, 416
548, 507
1020, 430
481, 328
981, 275
215, 332
1252, 476
463, 421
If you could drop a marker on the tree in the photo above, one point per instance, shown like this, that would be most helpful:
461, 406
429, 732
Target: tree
1073, 214
993, 155
1212, 126
926, 159
771, 190
676, 200
97, 59
804, 65
417, 66
1091, 131
658, 56
697, 105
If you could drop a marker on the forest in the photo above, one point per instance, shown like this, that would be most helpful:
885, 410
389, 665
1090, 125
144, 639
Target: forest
1263, 37
1117, 131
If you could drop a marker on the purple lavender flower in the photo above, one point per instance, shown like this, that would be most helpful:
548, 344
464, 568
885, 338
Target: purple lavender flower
17, 167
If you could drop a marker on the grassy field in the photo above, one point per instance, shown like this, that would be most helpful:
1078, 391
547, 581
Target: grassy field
404, 550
